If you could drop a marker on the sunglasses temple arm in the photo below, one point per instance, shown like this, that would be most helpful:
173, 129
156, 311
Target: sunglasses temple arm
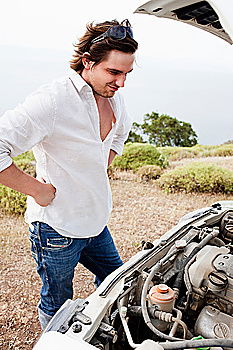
99, 38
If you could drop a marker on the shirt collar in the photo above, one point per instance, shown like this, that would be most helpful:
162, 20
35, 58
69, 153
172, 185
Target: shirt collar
78, 81
80, 84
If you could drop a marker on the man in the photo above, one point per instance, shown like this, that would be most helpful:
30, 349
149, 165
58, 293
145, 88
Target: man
75, 126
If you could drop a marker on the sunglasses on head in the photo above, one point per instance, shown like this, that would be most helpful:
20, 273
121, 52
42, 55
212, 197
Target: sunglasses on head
117, 32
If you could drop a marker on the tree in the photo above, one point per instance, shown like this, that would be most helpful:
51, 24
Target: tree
229, 142
163, 130
133, 134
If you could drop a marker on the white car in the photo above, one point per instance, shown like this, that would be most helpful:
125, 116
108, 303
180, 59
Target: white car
177, 293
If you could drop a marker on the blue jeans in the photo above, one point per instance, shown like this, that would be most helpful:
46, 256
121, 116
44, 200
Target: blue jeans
57, 256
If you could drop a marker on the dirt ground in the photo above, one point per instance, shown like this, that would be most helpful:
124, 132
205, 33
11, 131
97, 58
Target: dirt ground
141, 212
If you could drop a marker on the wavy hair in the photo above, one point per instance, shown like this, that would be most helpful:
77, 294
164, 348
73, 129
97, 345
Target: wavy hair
99, 51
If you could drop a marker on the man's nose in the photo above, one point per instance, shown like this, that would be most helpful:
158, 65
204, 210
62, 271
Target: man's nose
120, 82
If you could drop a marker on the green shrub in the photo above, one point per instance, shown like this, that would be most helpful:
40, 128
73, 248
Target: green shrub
223, 151
28, 167
12, 201
112, 173
26, 156
178, 153
149, 172
197, 151
136, 155
198, 177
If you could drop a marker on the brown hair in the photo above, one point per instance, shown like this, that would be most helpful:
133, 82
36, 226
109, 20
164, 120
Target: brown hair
99, 50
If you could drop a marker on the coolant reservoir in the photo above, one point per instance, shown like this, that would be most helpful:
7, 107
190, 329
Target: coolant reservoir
162, 296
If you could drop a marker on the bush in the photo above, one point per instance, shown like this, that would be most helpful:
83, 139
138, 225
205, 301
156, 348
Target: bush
27, 156
12, 201
112, 174
136, 155
178, 153
197, 151
223, 151
198, 177
149, 172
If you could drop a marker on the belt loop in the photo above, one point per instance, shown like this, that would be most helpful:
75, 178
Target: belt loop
39, 232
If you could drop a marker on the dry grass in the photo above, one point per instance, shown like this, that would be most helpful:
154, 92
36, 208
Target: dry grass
141, 211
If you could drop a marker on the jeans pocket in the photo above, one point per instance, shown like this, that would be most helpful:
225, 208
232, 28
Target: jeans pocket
58, 242
52, 240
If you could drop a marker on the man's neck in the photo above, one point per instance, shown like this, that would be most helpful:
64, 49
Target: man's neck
85, 77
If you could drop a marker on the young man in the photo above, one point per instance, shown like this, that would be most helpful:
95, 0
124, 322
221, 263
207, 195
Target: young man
75, 126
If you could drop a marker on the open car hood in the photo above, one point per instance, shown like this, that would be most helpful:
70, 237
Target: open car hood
213, 16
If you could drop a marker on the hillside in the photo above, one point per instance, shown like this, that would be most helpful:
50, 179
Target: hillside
141, 212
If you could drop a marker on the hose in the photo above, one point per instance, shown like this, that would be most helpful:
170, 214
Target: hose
182, 324
175, 324
188, 344
123, 313
145, 314
177, 283
168, 317
179, 278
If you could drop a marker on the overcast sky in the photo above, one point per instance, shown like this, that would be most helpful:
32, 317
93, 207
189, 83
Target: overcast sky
181, 70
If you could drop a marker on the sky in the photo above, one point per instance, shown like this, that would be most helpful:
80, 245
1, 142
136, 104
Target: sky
180, 70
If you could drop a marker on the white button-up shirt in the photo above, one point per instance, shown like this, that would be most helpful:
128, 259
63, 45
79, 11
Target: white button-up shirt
60, 123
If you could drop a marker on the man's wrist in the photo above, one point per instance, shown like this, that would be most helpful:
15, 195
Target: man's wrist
35, 188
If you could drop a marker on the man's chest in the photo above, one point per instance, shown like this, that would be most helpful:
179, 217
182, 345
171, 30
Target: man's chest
106, 119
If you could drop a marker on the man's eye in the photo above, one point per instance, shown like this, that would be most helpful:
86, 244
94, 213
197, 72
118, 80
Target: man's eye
113, 72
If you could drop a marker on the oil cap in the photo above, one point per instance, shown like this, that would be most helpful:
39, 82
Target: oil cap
217, 281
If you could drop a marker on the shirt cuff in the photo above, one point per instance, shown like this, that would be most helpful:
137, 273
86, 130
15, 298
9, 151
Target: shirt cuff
5, 163
118, 149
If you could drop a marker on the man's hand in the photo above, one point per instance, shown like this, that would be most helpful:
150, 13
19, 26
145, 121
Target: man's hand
15, 178
45, 194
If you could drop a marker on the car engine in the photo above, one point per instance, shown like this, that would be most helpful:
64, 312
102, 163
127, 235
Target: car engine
188, 294
177, 293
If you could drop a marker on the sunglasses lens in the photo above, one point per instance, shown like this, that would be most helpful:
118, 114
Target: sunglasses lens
117, 32
129, 31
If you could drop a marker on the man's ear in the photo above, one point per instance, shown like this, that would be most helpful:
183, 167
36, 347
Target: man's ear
86, 61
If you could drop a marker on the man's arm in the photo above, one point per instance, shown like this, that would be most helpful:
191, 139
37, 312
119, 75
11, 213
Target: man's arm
112, 155
18, 180
21, 129
122, 130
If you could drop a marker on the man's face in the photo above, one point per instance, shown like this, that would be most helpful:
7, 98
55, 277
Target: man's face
108, 76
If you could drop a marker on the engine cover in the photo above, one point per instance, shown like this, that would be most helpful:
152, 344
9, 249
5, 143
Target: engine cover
211, 323
213, 270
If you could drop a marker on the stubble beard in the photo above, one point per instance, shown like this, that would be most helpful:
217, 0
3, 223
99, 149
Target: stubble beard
104, 93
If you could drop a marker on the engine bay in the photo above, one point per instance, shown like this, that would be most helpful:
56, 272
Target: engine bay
187, 294
177, 293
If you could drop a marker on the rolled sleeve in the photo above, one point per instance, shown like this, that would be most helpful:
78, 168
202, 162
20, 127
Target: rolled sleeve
5, 159
122, 131
28, 124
